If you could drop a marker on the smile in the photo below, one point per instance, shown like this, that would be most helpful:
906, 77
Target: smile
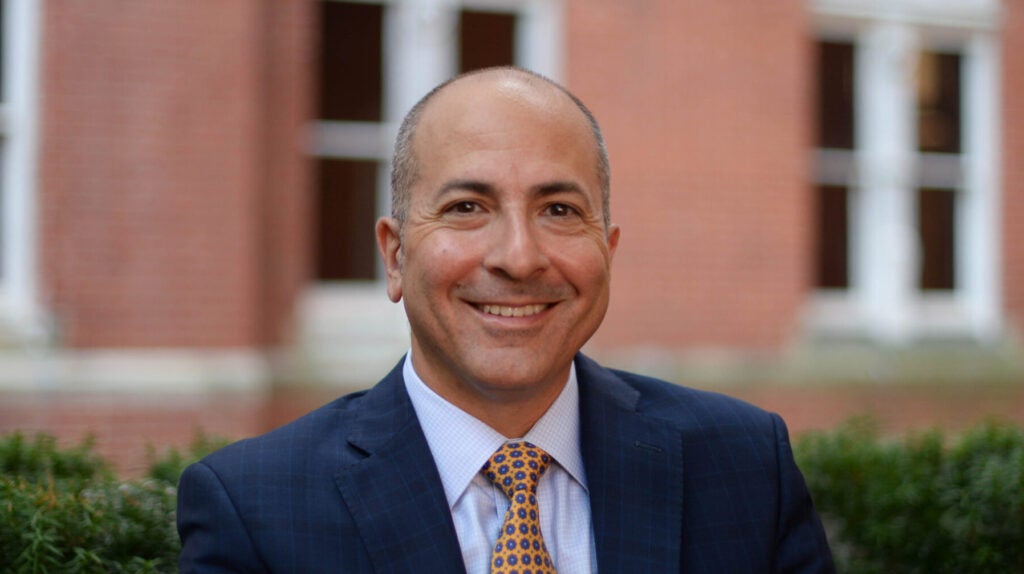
508, 311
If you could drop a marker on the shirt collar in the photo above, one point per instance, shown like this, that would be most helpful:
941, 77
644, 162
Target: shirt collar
461, 443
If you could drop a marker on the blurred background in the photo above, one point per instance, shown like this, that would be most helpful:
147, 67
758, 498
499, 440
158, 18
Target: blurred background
821, 201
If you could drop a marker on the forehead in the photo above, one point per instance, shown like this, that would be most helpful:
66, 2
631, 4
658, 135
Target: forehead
505, 121
511, 92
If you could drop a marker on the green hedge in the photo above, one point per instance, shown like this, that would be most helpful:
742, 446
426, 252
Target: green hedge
63, 510
923, 503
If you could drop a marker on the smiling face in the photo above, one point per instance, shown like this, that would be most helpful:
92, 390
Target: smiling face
504, 259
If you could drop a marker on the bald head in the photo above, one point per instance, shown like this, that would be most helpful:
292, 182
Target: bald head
528, 88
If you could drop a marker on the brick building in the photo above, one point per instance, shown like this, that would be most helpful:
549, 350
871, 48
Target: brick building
808, 190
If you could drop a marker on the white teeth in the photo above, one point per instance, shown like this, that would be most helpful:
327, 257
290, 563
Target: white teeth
506, 311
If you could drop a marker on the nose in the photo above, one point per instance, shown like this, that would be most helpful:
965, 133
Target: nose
515, 251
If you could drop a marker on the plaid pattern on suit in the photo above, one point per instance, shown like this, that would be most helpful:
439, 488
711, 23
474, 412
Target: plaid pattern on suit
679, 479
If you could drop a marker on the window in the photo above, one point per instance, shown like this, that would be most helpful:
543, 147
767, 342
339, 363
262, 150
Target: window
905, 176
376, 59
835, 137
346, 212
351, 92
939, 126
486, 39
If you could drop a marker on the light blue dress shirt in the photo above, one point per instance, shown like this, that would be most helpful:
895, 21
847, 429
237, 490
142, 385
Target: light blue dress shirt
461, 444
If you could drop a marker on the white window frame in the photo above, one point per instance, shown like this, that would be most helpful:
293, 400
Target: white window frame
20, 314
350, 327
883, 302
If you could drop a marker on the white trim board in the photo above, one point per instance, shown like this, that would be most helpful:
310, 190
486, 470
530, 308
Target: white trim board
134, 370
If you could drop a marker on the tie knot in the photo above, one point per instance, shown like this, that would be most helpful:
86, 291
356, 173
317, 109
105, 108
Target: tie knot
516, 467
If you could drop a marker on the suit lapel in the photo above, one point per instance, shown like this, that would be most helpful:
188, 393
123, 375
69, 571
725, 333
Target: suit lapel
634, 475
395, 494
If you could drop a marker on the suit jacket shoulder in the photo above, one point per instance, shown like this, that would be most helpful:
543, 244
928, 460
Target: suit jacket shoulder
349, 487
692, 478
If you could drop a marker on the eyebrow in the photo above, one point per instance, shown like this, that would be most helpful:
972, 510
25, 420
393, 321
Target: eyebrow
473, 185
541, 190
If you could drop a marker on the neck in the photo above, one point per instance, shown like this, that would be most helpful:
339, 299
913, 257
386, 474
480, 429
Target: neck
512, 416
510, 410
511, 424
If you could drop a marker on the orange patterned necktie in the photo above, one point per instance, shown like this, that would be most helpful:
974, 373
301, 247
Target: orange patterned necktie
515, 468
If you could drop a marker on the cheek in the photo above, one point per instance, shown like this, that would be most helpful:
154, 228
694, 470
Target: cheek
445, 263
590, 282
586, 263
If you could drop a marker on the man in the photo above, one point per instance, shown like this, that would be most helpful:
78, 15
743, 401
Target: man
500, 245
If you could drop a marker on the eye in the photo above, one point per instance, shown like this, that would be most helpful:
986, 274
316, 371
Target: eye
464, 207
561, 210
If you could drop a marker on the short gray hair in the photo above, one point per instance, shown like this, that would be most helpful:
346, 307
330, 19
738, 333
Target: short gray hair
404, 167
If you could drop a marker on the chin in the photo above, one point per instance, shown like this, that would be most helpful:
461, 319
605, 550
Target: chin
520, 374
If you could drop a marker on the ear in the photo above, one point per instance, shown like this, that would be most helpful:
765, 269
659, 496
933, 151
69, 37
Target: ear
389, 242
613, 240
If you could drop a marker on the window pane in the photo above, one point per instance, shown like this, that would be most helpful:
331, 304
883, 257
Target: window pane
938, 102
350, 61
486, 39
936, 225
833, 237
345, 216
835, 95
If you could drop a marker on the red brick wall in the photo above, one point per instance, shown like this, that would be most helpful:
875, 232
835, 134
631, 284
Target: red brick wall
706, 108
285, 253
174, 199
170, 166
1013, 162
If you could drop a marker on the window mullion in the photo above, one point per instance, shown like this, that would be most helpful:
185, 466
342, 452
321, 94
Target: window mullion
419, 52
884, 248
979, 250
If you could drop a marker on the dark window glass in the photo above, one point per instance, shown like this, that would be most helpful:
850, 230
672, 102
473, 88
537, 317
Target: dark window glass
486, 39
938, 102
936, 212
835, 95
346, 210
833, 237
350, 61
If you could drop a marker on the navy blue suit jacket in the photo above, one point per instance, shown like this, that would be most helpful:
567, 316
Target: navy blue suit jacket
679, 480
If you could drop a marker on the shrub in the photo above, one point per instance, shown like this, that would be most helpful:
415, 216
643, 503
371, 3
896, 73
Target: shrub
62, 510
87, 526
921, 504
40, 458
